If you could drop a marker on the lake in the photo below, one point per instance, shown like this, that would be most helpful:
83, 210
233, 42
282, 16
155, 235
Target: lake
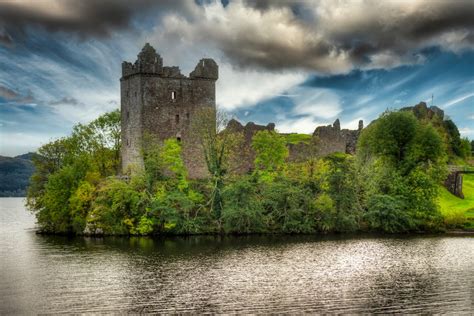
252, 274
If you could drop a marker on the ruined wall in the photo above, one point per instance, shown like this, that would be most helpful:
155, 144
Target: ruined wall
454, 183
162, 102
247, 154
332, 139
325, 140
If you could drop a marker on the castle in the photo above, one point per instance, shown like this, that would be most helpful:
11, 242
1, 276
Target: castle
160, 101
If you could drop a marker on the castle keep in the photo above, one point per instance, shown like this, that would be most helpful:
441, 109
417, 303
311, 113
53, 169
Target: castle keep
160, 101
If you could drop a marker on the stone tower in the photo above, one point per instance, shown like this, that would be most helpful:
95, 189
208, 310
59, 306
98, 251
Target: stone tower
160, 101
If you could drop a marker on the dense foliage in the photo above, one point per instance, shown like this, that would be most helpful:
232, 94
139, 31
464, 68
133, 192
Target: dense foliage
391, 185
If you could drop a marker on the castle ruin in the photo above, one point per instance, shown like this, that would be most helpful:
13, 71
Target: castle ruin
159, 101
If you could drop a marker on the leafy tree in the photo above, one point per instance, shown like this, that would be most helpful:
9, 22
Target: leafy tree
270, 152
402, 160
388, 213
454, 137
342, 187
63, 164
243, 211
465, 148
219, 146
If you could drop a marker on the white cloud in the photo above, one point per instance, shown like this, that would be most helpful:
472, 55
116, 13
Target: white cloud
239, 88
305, 125
321, 103
457, 100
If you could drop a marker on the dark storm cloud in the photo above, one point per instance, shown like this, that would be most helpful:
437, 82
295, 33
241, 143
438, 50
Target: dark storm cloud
330, 36
322, 35
85, 17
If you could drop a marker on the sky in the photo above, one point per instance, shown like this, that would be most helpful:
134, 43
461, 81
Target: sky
298, 64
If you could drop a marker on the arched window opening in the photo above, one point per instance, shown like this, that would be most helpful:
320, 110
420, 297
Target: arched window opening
177, 118
173, 95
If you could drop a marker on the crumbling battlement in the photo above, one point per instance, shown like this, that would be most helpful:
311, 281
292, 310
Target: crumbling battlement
150, 62
332, 139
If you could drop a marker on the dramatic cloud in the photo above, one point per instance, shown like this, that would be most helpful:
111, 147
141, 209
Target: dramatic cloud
85, 17
327, 36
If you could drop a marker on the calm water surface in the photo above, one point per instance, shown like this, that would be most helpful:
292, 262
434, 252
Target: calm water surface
286, 274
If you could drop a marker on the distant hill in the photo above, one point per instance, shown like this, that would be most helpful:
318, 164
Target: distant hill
15, 173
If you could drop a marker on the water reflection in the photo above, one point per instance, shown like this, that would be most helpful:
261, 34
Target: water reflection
252, 274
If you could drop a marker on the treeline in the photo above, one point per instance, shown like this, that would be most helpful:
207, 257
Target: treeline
391, 185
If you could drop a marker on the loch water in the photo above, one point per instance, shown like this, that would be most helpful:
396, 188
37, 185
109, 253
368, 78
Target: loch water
250, 274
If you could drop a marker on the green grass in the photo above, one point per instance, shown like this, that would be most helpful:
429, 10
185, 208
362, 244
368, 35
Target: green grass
458, 213
295, 138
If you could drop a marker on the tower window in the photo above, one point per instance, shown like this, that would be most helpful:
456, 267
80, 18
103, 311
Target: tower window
173, 95
177, 119
187, 116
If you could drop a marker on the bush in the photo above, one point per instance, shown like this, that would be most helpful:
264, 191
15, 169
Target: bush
243, 211
388, 214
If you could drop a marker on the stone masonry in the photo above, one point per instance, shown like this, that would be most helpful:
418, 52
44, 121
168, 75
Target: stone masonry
160, 101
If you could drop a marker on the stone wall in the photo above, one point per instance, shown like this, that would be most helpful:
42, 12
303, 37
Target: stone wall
247, 154
454, 184
332, 139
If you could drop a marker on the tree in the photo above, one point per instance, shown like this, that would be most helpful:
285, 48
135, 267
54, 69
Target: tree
465, 148
402, 161
62, 165
218, 146
270, 152
454, 137
342, 187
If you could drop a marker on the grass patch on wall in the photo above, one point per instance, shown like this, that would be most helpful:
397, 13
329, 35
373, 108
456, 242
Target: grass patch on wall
295, 138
